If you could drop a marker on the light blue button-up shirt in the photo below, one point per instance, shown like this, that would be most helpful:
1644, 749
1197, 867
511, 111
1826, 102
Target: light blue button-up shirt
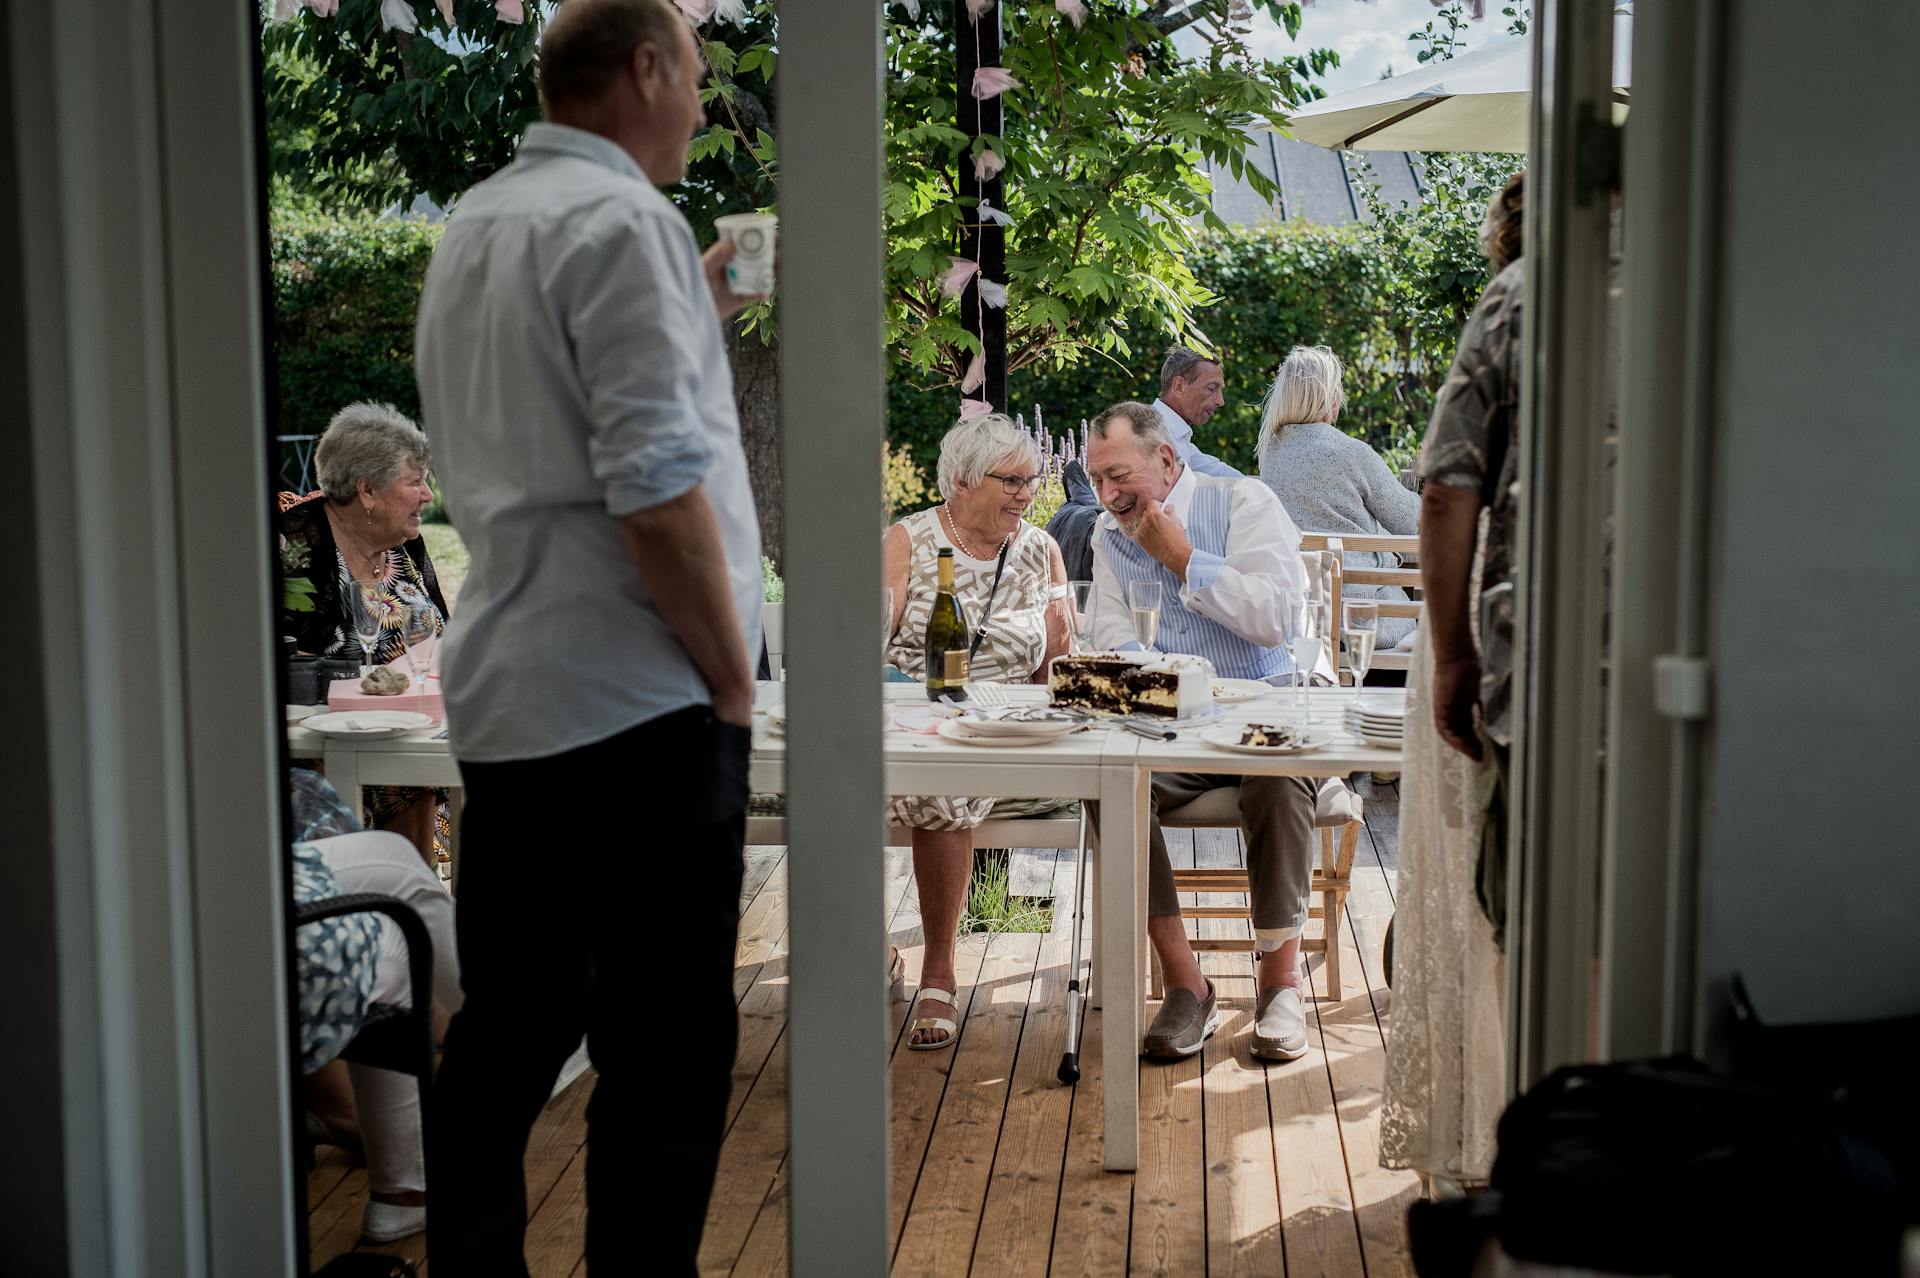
572, 371
1190, 454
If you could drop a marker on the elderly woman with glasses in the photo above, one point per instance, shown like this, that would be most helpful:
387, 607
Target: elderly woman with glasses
1011, 583
359, 537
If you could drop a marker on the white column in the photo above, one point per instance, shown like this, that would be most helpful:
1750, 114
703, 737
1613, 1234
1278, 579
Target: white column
833, 405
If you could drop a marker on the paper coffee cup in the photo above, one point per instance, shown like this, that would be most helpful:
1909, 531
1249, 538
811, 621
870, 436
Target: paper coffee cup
750, 273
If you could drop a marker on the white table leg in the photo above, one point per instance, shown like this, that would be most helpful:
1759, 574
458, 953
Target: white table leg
1123, 818
1097, 961
343, 774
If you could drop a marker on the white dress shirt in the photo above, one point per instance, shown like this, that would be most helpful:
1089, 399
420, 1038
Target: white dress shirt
572, 371
1190, 455
1242, 590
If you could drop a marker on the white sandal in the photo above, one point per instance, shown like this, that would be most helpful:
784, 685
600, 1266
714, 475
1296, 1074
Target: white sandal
946, 1024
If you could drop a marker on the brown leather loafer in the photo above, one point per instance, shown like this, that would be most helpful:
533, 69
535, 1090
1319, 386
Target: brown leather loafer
1183, 1025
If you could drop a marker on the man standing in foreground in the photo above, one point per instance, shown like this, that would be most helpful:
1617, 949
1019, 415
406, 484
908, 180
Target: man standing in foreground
597, 680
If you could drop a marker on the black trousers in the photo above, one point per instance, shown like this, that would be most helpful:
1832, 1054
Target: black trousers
599, 895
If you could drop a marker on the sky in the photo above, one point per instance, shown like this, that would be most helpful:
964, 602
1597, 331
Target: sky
1369, 36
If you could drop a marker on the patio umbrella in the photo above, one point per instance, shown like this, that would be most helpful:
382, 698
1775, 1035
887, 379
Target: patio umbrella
1475, 102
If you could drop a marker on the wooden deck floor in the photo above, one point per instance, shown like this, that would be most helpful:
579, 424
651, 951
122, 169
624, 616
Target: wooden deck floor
1246, 1168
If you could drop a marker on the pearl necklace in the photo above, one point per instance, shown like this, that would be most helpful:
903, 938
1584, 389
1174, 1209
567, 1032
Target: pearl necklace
953, 527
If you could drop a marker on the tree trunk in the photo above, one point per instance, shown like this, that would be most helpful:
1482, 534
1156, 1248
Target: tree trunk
756, 395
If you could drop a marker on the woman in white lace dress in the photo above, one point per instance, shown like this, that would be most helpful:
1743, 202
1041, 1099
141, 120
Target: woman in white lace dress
1011, 583
1446, 1035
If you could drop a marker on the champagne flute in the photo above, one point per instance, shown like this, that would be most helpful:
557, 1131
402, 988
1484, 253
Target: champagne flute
1362, 629
1303, 645
368, 607
1143, 598
419, 627
1082, 601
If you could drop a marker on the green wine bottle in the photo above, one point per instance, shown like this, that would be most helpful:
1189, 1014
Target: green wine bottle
947, 650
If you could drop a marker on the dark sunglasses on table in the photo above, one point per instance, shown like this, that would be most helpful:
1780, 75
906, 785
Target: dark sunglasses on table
1014, 485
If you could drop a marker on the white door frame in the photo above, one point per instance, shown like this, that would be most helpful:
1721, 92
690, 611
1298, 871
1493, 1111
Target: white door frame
1554, 865
134, 134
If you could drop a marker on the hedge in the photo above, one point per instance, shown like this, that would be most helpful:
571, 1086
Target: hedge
344, 294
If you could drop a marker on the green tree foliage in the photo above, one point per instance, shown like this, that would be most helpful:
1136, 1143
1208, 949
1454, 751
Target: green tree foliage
1102, 145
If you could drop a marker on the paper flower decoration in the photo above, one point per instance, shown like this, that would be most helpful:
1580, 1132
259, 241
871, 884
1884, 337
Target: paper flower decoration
955, 280
284, 9
988, 213
977, 7
734, 11
510, 11
912, 7
987, 166
1073, 11
446, 10
696, 11
991, 82
994, 295
974, 408
397, 15
323, 8
976, 375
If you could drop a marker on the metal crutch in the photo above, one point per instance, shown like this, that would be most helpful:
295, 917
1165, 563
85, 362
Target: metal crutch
1069, 1071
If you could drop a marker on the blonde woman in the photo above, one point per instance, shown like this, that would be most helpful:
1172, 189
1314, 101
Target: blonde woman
1329, 481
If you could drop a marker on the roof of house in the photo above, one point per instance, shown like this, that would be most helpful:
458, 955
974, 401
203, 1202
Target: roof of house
1316, 185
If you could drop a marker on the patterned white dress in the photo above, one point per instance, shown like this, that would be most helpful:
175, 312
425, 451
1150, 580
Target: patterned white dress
1015, 641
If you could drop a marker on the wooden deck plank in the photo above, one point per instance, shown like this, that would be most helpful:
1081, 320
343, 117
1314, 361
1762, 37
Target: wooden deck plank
919, 1085
943, 1218
1355, 1054
763, 924
1090, 1230
557, 1232
1243, 1194
1168, 1232
1023, 1192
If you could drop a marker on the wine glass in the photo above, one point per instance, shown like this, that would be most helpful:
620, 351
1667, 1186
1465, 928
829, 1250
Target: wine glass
1082, 600
419, 627
1143, 598
1303, 642
368, 606
1362, 629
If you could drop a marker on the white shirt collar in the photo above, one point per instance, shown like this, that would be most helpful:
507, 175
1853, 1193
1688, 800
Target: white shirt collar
1180, 496
564, 139
1176, 424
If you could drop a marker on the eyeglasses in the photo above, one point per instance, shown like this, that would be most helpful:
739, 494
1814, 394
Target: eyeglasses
1014, 485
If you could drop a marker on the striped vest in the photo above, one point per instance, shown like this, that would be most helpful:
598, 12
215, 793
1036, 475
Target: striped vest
1181, 629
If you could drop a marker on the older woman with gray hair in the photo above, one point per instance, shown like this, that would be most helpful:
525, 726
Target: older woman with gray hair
1012, 585
360, 537
1329, 481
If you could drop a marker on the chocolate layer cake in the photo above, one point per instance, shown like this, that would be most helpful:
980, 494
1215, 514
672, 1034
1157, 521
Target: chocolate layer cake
1162, 686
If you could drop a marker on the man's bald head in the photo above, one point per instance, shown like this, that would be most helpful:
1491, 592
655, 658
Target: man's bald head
590, 44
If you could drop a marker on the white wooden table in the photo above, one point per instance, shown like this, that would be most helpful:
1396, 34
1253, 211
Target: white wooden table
1105, 764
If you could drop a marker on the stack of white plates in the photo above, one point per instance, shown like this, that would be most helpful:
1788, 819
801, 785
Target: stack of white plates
1377, 725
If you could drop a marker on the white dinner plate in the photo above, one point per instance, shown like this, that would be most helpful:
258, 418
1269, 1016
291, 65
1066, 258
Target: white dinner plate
953, 730
296, 713
1229, 739
366, 723
1015, 722
1384, 743
1227, 691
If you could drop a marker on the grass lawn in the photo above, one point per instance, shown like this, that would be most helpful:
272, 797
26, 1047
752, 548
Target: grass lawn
449, 555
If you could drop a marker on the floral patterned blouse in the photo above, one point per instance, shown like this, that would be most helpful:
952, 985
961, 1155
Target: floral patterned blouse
308, 550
